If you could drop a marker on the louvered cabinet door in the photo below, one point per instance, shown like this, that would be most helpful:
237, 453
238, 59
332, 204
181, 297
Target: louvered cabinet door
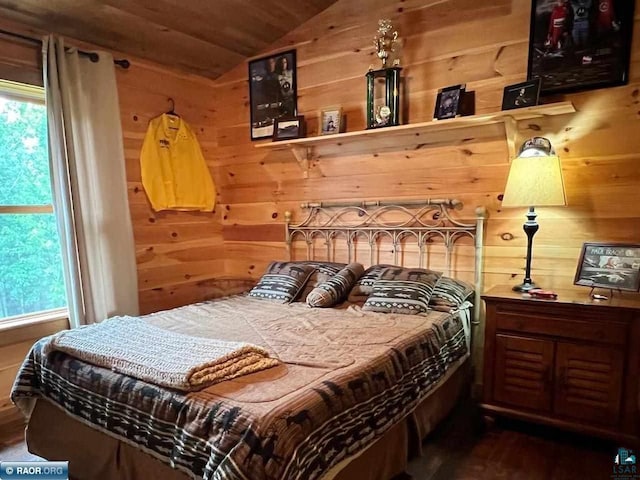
589, 383
523, 372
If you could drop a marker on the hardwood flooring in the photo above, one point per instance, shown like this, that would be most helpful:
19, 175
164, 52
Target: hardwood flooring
463, 449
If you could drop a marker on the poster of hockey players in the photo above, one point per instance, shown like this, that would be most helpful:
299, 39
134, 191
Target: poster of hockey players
580, 44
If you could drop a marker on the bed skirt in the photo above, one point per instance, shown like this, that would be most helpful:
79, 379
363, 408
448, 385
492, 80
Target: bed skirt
53, 435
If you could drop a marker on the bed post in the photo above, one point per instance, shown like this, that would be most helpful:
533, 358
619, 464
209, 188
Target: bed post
287, 232
481, 216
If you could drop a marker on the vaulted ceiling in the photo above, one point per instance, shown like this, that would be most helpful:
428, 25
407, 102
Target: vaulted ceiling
206, 37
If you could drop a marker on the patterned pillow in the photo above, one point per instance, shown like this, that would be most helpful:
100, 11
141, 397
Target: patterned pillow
282, 282
334, 290
402, 290
450, 293
362, 289
324, 271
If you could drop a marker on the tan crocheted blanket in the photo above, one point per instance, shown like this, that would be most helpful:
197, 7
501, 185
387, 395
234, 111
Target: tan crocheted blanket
133, 347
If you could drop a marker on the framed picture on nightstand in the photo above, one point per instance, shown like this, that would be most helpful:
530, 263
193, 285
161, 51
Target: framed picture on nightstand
614, 266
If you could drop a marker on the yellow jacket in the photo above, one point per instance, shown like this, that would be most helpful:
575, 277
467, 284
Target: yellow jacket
174, 173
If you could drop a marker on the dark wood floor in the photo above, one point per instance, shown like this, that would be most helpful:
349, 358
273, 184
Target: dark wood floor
463, 449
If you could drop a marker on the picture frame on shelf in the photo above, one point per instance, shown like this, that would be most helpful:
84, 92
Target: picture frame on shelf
272, 92
580, 45
521, 95
614, 266
449, 102
330, 121
289, 128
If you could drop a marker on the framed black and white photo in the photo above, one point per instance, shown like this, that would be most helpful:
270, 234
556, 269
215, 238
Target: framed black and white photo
288, 128
449, 101
609, 265
580, 44
521, 95
272, 91
330, 121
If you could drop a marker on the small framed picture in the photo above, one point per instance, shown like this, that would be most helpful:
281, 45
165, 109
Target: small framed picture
614, 266
330, 121
521, 95
449, 101
288, 128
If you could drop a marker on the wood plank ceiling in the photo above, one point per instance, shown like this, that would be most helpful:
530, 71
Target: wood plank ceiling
206, 37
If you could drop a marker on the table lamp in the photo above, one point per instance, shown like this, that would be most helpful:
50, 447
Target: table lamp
535, 180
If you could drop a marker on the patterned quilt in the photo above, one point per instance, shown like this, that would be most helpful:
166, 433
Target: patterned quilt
347, 377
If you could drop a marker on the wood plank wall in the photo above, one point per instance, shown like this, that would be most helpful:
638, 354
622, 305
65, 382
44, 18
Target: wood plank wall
481, 43
15, 343
180, 255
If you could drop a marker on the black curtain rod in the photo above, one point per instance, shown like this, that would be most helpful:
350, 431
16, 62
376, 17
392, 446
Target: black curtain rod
93, 56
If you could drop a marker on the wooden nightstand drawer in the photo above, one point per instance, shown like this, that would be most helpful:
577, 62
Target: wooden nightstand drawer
558, 326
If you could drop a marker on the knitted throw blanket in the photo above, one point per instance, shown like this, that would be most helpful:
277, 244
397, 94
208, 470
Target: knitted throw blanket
133, 347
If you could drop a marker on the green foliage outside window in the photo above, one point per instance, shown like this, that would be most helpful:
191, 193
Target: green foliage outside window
31, 278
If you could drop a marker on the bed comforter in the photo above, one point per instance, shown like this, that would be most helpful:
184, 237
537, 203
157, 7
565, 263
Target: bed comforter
346, 377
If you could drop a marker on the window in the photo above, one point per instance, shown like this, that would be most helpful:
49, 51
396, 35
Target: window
31, 278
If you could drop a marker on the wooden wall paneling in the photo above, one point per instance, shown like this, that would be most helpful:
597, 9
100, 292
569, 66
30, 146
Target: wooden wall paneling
183, 246
15, 343
20, 62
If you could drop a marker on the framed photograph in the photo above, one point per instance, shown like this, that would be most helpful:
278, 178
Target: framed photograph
272, 92
580, 44
288, 128
521, 95
448, 102
609, 265
330, 121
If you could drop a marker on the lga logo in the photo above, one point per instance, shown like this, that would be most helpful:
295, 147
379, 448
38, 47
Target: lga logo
625, 467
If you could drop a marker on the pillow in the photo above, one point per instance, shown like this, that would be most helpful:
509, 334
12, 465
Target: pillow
363, 286
282, 282
402, 290
335, 290
324, 271
450, 293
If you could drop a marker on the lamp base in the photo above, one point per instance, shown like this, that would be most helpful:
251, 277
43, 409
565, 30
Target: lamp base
524, 287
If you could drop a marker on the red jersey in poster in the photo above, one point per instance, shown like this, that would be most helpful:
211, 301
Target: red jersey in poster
559, 25
605, 17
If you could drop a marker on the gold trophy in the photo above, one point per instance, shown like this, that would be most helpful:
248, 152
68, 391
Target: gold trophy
383, 85
385, 40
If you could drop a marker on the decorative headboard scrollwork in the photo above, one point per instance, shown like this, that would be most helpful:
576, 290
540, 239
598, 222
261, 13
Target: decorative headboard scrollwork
419, 222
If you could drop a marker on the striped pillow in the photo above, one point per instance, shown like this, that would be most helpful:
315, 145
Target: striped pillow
282, 282
323, 272
450, 293
402, 290
362, 289
334, 290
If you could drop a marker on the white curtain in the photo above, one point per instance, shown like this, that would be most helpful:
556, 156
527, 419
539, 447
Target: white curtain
89, 184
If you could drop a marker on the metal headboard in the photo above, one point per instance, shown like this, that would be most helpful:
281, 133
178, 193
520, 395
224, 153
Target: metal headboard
420, 222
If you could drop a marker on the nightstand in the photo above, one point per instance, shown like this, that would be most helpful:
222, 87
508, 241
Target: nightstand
572, 363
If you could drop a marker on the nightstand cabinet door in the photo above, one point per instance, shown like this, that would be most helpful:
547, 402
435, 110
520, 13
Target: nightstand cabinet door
589, 383
523, 372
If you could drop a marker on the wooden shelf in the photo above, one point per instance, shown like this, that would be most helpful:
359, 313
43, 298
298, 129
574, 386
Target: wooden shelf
433, 132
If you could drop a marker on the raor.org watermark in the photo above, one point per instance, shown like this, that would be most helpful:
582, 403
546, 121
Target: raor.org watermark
34, 470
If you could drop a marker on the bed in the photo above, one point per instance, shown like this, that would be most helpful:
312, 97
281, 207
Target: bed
355, 393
